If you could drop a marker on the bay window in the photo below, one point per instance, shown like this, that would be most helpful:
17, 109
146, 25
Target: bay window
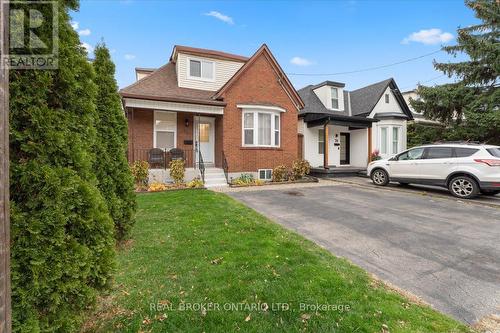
261, 129
390, 140
321, 141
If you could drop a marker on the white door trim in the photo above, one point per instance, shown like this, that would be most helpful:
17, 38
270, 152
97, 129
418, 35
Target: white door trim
211, 121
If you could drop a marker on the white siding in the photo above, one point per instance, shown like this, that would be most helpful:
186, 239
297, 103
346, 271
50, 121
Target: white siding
224, 70
141, 75
383, 107
324, 94
359, 148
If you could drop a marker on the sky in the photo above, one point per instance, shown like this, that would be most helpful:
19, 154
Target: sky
306, 37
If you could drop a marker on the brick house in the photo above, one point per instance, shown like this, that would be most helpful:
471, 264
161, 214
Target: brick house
224, 114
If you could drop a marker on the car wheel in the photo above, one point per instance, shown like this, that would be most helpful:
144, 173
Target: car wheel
380, 177
463, 187
490, 193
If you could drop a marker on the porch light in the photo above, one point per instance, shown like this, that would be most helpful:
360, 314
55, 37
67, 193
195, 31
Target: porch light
186, 122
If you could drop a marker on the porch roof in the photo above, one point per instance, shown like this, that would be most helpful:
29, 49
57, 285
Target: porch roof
320, 119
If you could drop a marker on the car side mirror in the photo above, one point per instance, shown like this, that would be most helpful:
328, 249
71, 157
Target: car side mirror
395, 158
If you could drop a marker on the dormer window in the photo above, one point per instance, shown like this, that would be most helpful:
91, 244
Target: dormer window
201, 69
335, 98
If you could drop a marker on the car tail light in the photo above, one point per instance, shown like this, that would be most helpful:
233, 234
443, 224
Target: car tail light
489, 162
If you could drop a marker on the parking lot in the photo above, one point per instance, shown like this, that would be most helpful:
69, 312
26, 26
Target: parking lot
442, 249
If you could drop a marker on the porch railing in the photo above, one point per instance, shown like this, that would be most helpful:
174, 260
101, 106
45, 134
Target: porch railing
201, 166
225, 167
162, 160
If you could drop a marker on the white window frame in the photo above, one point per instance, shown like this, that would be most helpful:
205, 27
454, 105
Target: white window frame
201, 78
255, 113
155, 112
387, 142
319, 141
265, 173
338, 98
400, 128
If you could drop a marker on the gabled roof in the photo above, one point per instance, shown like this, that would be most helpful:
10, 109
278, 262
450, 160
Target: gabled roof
162, 85
205, 53
363, 100
283, 79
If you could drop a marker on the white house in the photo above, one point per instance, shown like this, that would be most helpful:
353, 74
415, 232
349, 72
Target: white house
342, 128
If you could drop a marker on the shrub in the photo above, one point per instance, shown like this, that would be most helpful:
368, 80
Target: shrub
62, 242
140, 172
177, 171
280, 173
195, 183
244, 179
300, 168
114, 178
157, 187
375, 155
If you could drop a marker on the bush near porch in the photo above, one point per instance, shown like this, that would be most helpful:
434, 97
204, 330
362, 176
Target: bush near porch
192, 247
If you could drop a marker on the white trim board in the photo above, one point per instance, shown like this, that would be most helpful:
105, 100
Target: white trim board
173, 106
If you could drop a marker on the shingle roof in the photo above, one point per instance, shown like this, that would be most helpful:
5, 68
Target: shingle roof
363, 100
207, 52
162, 85
314, 105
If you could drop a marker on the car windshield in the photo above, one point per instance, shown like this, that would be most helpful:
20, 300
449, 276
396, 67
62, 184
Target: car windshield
494, 151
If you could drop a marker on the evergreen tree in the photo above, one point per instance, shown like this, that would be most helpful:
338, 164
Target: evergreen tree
472, 103
111, 166
61, 232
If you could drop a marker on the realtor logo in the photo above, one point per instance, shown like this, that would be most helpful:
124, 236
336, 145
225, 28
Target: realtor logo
33, 35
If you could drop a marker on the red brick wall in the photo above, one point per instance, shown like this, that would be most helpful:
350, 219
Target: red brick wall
140, 131
258, 84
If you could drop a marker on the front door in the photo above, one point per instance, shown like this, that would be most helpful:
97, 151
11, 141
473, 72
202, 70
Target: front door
345, 148
204, 134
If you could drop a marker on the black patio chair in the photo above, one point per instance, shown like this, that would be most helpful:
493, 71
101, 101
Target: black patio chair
156, 157
176, 154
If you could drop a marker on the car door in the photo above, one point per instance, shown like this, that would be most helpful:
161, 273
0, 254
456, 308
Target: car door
435, 164
403, 166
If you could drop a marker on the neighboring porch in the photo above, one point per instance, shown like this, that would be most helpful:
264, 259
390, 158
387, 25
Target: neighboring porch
337, 145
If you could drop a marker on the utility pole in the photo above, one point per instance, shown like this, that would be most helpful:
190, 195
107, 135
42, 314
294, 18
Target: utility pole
5, 308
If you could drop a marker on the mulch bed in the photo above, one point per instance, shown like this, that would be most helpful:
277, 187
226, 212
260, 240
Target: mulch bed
306, 179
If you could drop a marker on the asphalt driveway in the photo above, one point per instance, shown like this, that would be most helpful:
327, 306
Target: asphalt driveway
445, 251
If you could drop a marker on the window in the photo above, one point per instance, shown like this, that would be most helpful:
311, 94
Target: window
383, 140
165, 128
276, 130
265, 174
412, 154
465, 152
494, 151
335, 98
204, 132
395, 140
321, 141
201, 69
387, 98
261, 129
439, 152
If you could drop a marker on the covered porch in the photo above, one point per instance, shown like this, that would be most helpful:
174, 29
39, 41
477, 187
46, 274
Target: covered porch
160, 132
337, 144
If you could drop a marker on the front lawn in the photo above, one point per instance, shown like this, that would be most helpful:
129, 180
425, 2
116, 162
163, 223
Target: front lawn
197, 247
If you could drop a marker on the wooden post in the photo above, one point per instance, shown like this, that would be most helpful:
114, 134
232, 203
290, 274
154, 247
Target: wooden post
5, 308
369, 144
325, 146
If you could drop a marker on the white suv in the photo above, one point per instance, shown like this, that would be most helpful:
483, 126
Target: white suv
465, 169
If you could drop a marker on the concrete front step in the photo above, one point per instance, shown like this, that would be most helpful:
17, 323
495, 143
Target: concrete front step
214, 177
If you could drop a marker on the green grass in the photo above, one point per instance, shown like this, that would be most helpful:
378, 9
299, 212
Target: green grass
197, 246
